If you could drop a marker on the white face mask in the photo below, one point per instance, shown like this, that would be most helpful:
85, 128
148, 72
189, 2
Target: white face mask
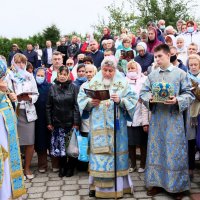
132, 75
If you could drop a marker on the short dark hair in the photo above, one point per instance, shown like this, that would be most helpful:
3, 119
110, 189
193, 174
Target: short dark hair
56, 53
63, 68
88, 58
29, 66
80, 66
161, 47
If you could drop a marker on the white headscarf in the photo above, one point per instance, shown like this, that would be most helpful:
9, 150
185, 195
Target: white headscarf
142, 44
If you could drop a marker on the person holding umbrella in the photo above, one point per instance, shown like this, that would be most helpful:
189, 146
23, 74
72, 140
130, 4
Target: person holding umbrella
108, 148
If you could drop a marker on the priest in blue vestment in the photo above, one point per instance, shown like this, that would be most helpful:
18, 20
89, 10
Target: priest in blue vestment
101, 115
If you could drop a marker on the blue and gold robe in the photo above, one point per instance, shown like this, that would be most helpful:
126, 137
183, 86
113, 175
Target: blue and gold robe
102, 132
11, 173
167, 157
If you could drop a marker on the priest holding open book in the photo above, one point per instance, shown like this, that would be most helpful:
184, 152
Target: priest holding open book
102, 131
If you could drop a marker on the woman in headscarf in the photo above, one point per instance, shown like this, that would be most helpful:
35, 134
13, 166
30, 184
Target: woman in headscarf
152, 39
41, 131
126, 47
80, 75
11, 173
170, 40
138, 128
106, 35
144, 58
24, 85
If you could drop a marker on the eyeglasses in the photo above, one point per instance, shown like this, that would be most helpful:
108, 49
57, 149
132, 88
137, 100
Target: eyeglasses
69, 64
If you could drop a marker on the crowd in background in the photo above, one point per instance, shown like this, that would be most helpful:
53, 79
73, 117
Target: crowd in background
57, 74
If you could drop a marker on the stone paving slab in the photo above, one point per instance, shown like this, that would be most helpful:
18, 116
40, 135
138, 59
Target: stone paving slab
49, 186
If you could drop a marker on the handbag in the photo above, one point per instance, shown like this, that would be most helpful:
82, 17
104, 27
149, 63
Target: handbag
83, 147
72, 146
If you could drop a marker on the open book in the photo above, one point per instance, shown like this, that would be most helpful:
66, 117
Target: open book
26, 93
127, 54
98, 94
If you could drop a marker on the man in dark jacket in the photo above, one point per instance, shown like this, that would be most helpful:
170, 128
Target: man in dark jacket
73, 49
176, 62
63, 49
96, 54
144, 58
47, 54
31, 55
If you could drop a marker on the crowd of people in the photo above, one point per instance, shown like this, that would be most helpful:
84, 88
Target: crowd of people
152, 78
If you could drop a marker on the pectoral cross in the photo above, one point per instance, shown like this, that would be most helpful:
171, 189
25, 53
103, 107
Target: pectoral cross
118, 86
96, 85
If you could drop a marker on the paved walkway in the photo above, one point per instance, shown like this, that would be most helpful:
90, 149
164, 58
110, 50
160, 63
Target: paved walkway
49, 186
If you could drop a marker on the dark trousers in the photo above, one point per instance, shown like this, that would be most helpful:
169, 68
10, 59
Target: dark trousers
132, 155
42, 160
191, 154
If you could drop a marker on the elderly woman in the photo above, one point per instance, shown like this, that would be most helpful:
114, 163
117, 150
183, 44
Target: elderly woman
194, 121
24, 85
102, 176
11, 173
126, 46
144, 58
62, 115
41, 131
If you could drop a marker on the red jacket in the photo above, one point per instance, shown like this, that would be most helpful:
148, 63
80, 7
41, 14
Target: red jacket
49, 74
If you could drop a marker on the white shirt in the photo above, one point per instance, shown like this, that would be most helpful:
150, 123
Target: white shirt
49, 54
39, 52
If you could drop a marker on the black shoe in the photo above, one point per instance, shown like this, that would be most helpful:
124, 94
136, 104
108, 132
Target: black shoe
92, 193
69, 173
62, 172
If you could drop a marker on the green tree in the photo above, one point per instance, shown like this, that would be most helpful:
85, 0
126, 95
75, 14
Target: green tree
117, 19
51, 33
137, 13
5, 46
38, 39
169, 10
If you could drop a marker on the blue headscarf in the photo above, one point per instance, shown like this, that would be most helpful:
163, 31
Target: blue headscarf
3, 68
45, 75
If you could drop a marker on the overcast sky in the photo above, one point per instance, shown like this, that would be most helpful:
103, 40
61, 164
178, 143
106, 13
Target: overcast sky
23, 18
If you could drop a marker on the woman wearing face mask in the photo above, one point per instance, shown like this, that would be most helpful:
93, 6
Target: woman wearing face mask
41, 131
62, 114
24, 85
138, 128
193, 125
80, 75
191, 35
